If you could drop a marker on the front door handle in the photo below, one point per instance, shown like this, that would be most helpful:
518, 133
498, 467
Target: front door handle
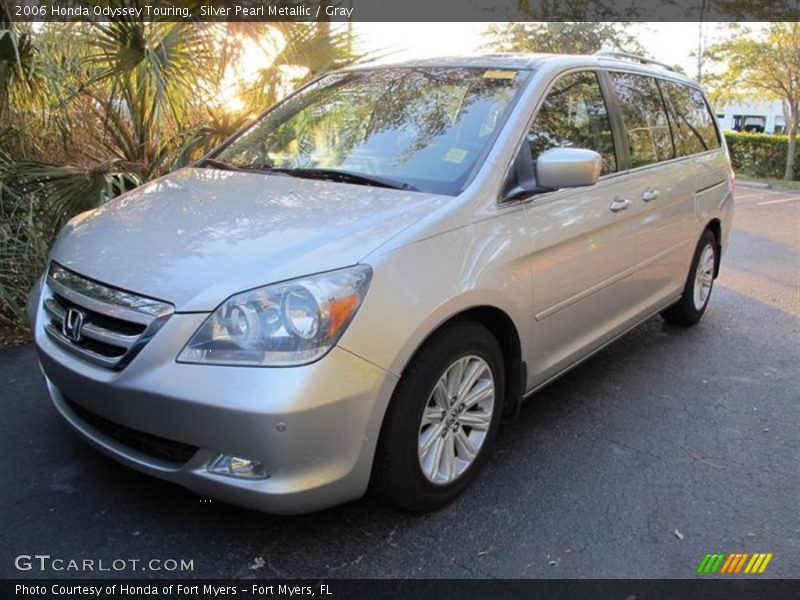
619, 204
650, 195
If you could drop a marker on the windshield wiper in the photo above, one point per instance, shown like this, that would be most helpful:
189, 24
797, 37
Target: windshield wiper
345, 177
217, 164
223, 166
313, 173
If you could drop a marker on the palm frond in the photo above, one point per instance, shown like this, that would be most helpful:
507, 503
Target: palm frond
61, 192
126, 101
23, 252
218, 127
302, 52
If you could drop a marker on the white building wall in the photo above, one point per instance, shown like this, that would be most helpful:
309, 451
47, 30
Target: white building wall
772, 111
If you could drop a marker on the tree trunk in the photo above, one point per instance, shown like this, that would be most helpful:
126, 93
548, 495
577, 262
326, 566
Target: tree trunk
788, 174
324, 26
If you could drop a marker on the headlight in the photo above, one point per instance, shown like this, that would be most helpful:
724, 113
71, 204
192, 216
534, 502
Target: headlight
291, 323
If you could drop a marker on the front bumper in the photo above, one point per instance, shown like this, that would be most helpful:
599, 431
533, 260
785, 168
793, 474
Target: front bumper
313, 427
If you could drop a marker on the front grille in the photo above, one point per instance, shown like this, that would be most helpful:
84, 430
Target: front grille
100, 324
148, 444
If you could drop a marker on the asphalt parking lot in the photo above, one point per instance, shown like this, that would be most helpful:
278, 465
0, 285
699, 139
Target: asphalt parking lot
667, 445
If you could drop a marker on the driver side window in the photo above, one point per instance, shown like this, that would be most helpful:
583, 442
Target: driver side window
574, 115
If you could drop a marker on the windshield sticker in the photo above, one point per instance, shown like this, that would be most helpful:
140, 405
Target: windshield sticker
456, 155
496, 74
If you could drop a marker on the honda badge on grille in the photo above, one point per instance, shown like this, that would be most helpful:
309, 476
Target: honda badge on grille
72, 325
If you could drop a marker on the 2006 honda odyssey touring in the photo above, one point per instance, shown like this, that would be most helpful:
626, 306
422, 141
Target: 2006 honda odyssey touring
352, 291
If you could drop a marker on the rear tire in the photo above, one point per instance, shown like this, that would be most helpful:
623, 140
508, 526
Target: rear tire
441, 420
697, 291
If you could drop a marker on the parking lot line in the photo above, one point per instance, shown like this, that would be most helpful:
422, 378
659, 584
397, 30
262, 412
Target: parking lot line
780, 201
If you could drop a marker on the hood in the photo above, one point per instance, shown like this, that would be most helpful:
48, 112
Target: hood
197, 236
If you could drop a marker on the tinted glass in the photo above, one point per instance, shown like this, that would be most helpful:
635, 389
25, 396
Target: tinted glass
423, 127
692, 124
646, 123
574, 115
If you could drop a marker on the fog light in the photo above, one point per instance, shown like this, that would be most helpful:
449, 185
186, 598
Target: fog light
237, 466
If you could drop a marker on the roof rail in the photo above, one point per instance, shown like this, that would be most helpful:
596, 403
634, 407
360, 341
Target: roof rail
632, 57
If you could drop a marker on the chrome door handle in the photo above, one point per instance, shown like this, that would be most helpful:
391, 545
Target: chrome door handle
618, 204
650, 195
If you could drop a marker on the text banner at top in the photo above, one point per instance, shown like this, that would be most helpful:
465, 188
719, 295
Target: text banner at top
398, 10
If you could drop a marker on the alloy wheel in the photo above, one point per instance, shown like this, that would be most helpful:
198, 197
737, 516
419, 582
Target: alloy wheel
456, 419
704, 277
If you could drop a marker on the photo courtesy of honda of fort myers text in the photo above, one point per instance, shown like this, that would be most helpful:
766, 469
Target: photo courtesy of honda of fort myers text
358, 299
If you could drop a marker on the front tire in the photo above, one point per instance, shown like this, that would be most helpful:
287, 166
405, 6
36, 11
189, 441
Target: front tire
697, 292
442, 419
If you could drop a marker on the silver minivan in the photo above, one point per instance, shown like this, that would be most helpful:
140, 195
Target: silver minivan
352, 292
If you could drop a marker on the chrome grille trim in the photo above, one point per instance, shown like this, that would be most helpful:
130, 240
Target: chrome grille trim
117, 324
104, 308
57, 312
104, 295
108, 362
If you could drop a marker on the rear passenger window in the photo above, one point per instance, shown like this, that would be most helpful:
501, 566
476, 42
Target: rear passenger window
692, 124
574, 115
646, 123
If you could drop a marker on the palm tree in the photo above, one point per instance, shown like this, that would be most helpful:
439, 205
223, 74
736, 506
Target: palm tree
301, 51
143, 78
21, 82
126, 101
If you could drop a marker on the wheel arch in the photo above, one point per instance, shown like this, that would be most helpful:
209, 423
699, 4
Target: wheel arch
715, 227
503, 328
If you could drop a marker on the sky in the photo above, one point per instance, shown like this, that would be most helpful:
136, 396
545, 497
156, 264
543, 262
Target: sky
668, 42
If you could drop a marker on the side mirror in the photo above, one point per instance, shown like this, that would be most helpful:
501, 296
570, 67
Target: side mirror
568, 167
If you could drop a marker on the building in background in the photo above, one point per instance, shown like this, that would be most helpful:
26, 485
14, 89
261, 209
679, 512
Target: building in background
755, 117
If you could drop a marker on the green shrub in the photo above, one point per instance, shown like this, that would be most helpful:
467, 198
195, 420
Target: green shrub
36, 200
759, 155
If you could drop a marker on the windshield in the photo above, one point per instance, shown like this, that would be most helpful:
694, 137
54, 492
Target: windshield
410, 128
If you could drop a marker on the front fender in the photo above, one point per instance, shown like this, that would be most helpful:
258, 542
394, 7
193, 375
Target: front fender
420, 286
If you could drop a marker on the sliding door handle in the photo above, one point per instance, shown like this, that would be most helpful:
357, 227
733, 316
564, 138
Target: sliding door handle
619, 204
650, 195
